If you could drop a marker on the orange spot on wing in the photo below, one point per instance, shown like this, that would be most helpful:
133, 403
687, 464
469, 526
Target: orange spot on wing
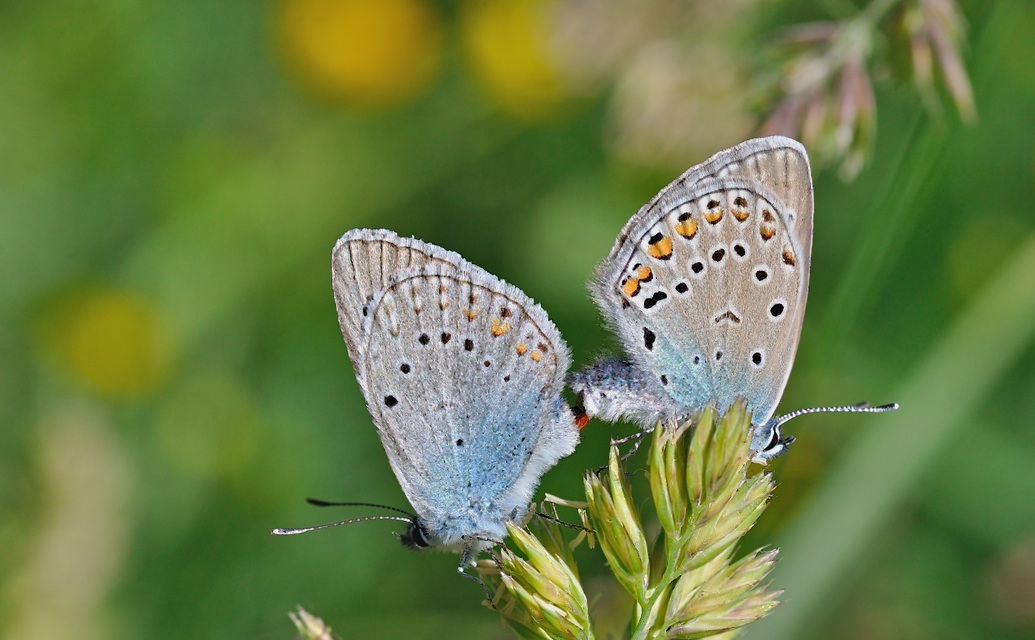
713, 215
660, 249
687, 228
536, 356
471, 314
644, 274
788, 257
499, 328
766, 231
521, 348
630, 286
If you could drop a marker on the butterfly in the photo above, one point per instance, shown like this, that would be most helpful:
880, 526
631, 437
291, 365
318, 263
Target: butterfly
462, 375
706, 288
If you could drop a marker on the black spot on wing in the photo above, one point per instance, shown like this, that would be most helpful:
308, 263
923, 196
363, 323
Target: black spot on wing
654, 299
648, 339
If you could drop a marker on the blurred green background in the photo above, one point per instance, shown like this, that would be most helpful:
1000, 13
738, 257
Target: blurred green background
173, 382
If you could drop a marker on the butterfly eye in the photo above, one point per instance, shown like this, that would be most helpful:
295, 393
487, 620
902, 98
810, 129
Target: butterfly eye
416, 536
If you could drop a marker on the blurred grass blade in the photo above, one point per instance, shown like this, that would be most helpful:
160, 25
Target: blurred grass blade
854, 503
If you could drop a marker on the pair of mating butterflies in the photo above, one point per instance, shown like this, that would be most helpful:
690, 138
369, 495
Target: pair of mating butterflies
463, 373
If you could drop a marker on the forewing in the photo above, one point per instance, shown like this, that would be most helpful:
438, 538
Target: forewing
463, 380
707, 284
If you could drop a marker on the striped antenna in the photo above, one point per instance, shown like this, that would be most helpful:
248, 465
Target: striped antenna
862, 407
410, 518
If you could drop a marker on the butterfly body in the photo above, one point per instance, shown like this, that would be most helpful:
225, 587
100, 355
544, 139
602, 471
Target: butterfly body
615, 389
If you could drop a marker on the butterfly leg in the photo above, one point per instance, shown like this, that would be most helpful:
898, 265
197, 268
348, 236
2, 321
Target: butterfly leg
466, 560
546, 516
636, 439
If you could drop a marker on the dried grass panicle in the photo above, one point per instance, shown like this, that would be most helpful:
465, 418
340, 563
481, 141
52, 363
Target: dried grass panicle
685, 580
824, 92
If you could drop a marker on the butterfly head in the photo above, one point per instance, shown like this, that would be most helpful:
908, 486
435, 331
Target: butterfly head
415, 536
768, 441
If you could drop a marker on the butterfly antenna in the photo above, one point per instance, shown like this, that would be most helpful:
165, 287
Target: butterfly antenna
323, 503
862, 407
289, 531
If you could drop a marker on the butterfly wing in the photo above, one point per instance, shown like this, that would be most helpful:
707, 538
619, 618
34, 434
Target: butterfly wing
707, 283
362, 264
779, 163
463, 376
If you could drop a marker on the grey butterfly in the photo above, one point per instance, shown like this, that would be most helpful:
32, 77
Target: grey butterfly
706, 288
462, 374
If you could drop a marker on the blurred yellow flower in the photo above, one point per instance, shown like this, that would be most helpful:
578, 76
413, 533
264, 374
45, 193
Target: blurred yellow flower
508, 46
369, 53
113, 342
